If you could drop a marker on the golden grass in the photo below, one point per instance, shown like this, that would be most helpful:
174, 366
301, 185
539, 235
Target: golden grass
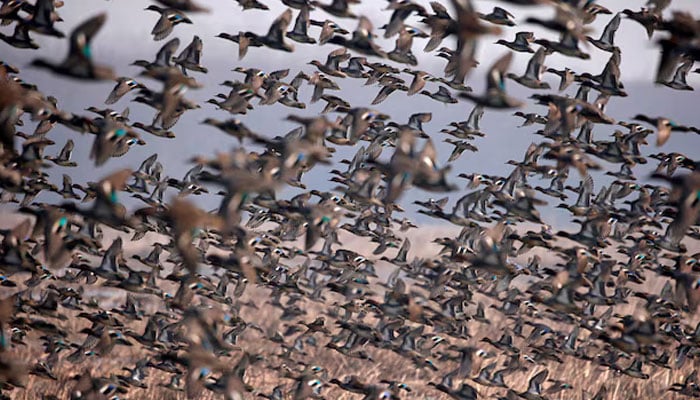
585, 377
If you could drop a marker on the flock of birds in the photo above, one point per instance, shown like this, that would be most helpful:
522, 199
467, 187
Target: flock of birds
426, 311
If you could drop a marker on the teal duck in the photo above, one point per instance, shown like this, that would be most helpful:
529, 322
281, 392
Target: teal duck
169, 18
78, 63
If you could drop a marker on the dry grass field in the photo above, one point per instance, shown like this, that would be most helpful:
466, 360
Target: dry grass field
584, 378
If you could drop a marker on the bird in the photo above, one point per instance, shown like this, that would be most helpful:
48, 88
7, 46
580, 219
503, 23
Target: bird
184, 5
468, 30
43, 17
401, 10
607, 38
402, 53
64, 156
112, 139
124, 85
301, 26
567, 77
274, 38
684, 193
20, 38
498, 16
533, 73
521, 42
361, 40
648, 19
495, 96
78, 63
442, 95
164, 57
169, 18
534, 389
664, 127
189, 58
252, 5
679, 81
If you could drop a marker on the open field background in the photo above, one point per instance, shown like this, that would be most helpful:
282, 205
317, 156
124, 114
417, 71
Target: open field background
584, 378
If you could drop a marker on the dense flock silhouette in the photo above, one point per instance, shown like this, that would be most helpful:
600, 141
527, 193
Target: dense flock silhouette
129, 288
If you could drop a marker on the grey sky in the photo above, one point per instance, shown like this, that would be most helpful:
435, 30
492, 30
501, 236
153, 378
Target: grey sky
126, 37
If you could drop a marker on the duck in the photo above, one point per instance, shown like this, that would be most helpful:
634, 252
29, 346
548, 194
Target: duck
78, 63
679, 80
402, 52
189, 58
533, 73
20, 38
124, 85
607, 38
43, 18
274, 38
443, 95
498, 16
169, 18
495, 96
337, 8
566, 77
164, 57
521, 43
468, 29
301, 27
362, 39
401, 10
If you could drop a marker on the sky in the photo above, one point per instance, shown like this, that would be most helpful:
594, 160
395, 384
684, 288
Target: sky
126, 37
